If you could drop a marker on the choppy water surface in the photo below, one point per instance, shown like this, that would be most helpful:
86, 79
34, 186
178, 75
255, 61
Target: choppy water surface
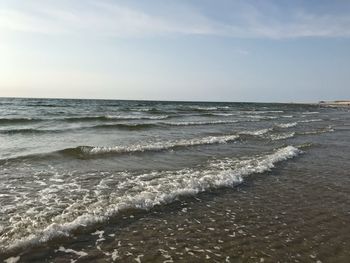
136, 181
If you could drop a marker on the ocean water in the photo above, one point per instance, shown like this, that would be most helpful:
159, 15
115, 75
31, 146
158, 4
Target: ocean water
152, 181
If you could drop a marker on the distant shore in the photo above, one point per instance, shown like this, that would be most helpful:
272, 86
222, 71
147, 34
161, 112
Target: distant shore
336, 103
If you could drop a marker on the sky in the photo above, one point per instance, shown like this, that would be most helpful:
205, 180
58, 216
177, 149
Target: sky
203, 50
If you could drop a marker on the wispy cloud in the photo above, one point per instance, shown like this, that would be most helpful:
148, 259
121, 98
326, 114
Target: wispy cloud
107, 18
298, 24
103, 18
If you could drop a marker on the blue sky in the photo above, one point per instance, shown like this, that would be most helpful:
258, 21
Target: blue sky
222, 50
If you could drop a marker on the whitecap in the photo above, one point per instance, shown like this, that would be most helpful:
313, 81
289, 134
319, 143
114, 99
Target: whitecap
310, 112
282, 136
194, 123
257, 133
287, 125
133, 117
311, 120
157, 146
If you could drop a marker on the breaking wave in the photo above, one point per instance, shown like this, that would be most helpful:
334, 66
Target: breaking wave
257, 133
122, 191
282, 136
195, 123
319, 131
86, 151
311, 120
287, 125
122, 126
112, 117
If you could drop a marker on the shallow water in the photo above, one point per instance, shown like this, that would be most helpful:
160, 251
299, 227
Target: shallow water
136, 181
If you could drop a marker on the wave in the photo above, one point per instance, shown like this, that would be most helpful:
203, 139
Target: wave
90, 151
260, 117
95, 151
86, 151
111, 117
282, 136
47, 105
139, 126
100, 151
262, 112
287, 125
320, 131
124, 126
82, 119
195, 123
142, 191
26, 131
203, 108
311, 120
257, 133
265, 133
217, 114
17, 120
310, 112
148, 110
121, 126
194, 109
130, 117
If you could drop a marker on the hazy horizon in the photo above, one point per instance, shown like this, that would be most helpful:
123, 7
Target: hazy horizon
243, 51
170, 100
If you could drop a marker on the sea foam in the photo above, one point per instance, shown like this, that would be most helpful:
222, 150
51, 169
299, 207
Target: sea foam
154, 146
130, 191
287, 125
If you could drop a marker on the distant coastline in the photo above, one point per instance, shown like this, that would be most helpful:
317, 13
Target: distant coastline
336, 103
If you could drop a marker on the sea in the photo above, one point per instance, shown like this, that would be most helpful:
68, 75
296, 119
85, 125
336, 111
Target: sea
158, 181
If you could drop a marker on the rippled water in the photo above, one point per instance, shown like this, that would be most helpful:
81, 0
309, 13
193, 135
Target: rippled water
136, 181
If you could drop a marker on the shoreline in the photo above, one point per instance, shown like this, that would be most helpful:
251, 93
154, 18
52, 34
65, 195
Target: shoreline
336, 103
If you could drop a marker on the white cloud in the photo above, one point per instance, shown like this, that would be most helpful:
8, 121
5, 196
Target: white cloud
105, 18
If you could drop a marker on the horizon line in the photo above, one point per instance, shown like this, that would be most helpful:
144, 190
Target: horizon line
159, 100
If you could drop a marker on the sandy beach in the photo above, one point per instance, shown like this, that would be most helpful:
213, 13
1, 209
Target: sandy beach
336, 103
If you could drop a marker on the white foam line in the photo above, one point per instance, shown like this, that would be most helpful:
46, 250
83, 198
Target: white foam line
68, 250
258, 132
203, 108
156, 146
159, 187
312, 120
287, 125
131, 117
310, 112
193, 123
325, 130
282, 136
